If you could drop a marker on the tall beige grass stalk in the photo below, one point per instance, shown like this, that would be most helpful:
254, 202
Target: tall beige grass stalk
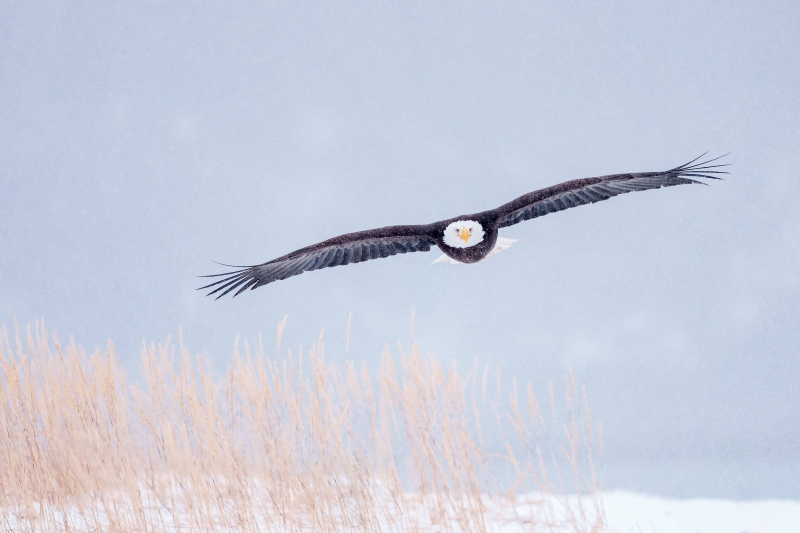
284, 443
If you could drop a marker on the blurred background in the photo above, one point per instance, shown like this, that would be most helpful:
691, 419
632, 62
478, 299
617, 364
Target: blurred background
138, 142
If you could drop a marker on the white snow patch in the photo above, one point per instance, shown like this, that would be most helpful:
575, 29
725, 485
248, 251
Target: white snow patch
631, 512
625, 512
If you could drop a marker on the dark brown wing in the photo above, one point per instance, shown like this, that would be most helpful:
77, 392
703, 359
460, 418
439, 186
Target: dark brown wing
341, 250
590, 190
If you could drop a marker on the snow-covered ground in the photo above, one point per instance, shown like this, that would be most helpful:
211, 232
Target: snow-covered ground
625, 512
630, 512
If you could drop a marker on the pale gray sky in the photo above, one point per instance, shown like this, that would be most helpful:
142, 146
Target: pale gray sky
138, 142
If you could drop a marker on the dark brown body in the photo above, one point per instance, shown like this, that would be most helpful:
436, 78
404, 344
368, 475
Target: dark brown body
472, 254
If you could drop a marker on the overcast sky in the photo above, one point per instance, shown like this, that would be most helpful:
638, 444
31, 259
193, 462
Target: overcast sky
138, 142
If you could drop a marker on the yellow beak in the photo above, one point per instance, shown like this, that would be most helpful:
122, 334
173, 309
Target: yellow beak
464, 234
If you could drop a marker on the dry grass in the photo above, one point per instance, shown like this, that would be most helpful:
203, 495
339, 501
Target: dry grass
284, 444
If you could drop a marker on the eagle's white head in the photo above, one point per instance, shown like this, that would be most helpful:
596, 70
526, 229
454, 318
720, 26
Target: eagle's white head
463, 234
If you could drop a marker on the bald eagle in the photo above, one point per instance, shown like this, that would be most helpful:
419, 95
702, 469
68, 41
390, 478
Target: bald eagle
463, 239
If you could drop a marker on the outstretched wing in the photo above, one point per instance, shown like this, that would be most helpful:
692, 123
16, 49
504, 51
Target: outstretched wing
590, 190
341, 250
